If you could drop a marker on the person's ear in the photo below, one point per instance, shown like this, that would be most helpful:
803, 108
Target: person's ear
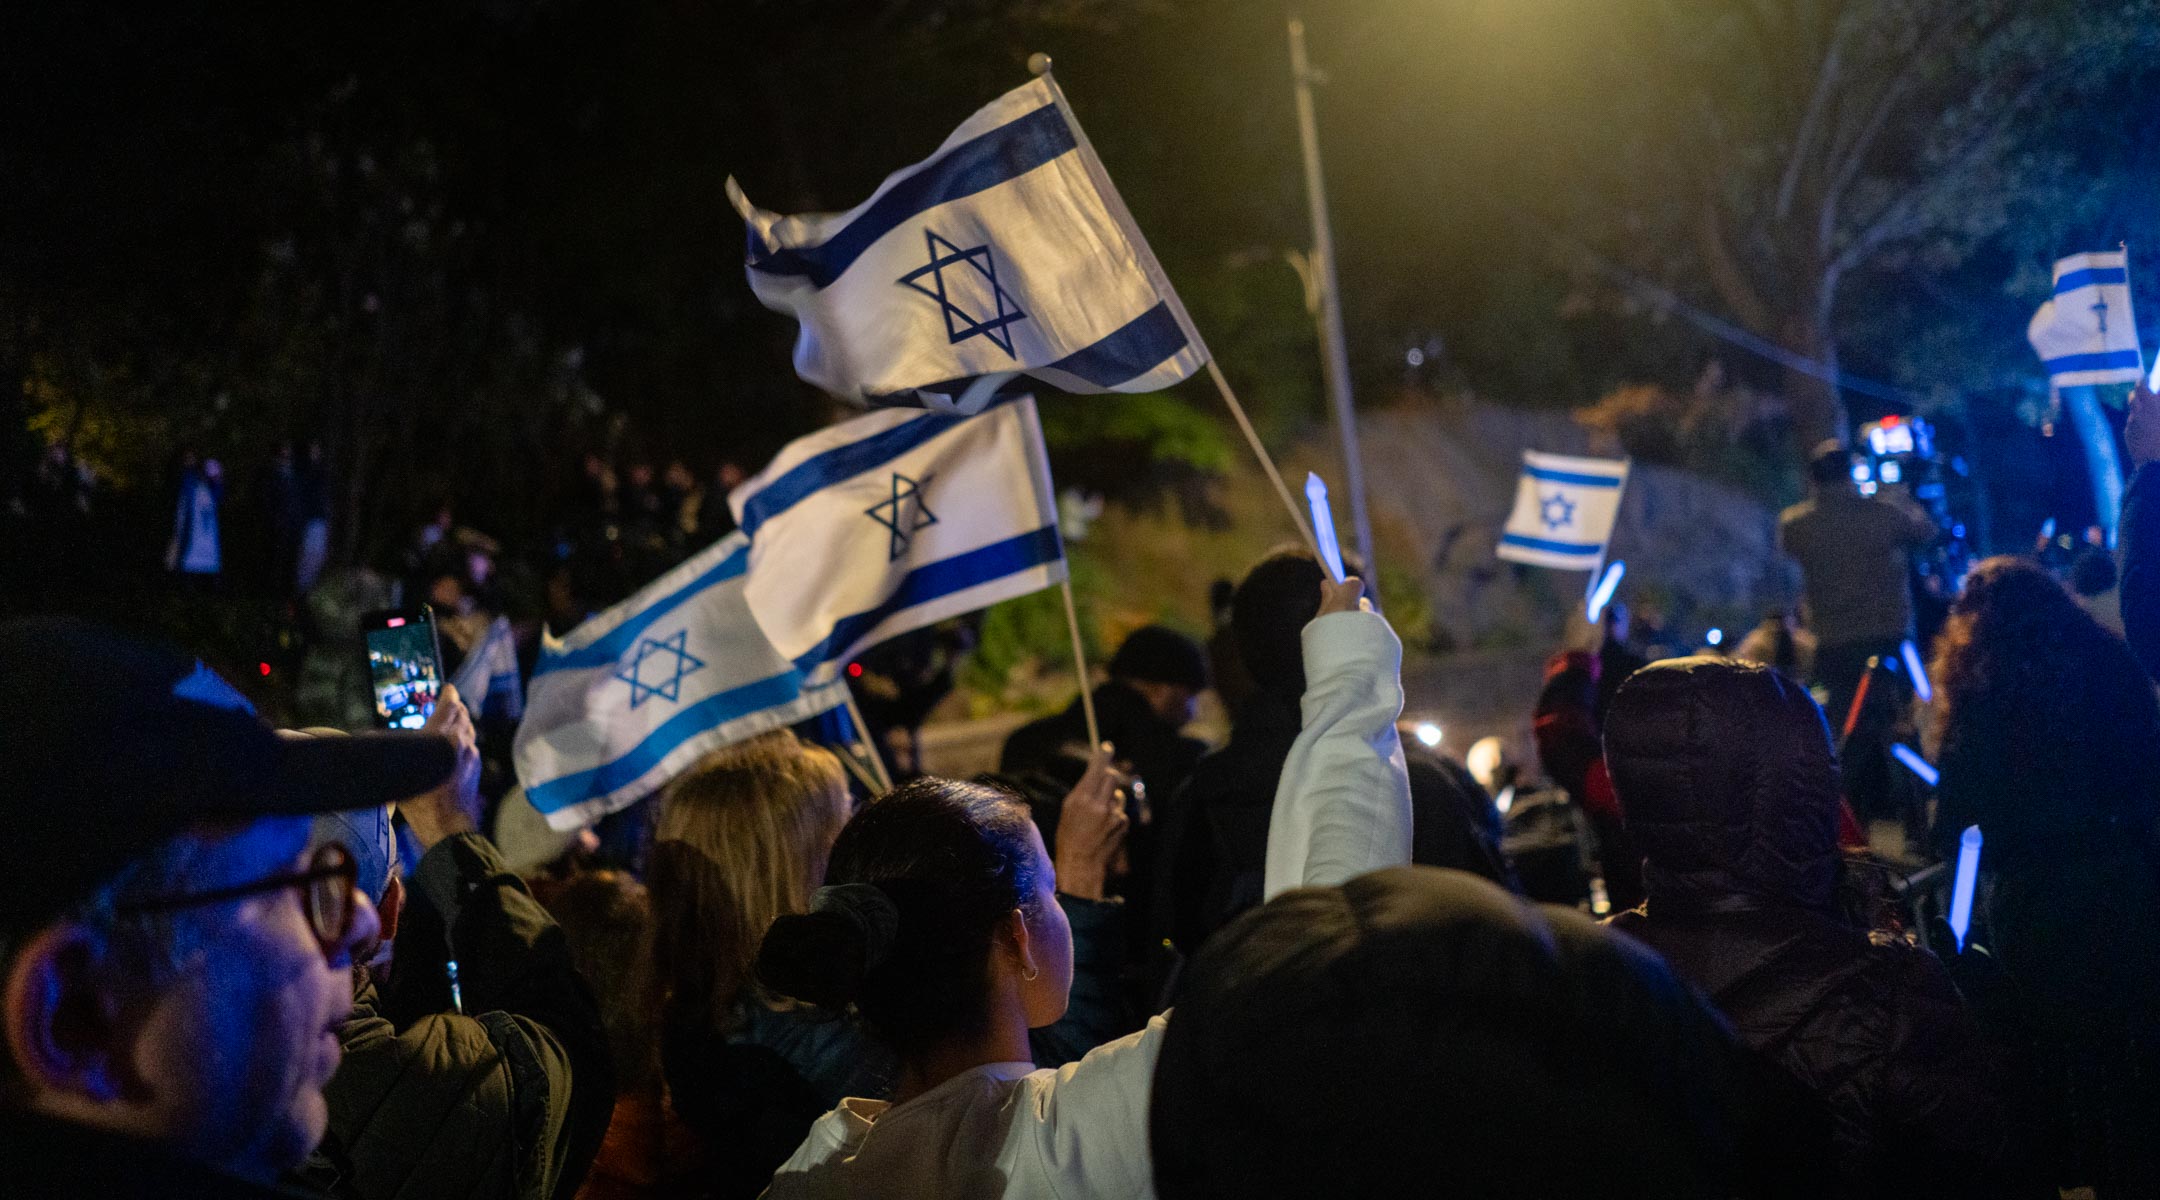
59, 1020
392, 906
1023, 949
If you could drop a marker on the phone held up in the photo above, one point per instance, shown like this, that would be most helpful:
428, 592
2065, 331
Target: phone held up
404, 658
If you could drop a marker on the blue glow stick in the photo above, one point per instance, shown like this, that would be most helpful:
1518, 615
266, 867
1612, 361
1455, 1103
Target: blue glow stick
1914, 763
1602, 594
1961, 891
1323, 524
1921, 686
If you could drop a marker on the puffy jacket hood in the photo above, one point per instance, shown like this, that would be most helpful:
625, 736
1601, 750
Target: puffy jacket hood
1729, 785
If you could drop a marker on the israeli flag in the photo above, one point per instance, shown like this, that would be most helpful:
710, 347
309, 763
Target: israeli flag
1564, 511
896, 520
632, 697
1007, 252
2085, 334
487, 680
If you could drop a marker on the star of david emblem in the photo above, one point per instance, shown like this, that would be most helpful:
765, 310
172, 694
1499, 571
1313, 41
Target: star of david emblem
905, 513
657, 668
971, 275
1557, 511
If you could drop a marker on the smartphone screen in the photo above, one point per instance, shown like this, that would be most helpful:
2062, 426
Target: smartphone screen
404, 666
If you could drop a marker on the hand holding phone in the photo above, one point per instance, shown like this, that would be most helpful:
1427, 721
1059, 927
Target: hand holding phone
404, 659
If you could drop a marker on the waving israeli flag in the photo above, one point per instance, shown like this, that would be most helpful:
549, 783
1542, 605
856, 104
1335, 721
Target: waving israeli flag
487, 681
1007, 252
1564, 511
896, 520
2085, 334
633, 696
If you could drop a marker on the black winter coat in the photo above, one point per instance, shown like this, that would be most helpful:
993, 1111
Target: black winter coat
1213, 855
1729, 784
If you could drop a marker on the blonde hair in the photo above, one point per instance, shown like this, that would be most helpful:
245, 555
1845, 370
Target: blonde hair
742, 840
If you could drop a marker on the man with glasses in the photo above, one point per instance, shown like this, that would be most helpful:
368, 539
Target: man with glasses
489, 1080
174, 954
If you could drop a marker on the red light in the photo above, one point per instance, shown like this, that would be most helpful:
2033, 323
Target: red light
854, 670
394, 622
264, 668
1892, 421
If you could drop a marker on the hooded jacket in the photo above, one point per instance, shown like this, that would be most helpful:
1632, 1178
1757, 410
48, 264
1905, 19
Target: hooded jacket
1730, 787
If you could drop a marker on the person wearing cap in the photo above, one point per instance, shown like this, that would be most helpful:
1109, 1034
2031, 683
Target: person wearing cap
1855, 555
1156, 678
476, 1062
174, 953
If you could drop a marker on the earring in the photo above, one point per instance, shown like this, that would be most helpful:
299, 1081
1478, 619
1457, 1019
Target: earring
1029, 975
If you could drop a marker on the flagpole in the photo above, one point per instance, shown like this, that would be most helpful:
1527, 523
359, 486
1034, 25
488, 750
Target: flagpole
1605, 551
1080, 666
1039, 64
1330, 297
862, 733
1252, 438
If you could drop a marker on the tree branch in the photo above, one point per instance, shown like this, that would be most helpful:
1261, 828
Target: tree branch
1827, 77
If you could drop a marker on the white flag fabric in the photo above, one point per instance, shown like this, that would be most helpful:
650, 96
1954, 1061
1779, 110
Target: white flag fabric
1006, 252
630, 698
2085, 333
1564, 511
896, 520
487, 681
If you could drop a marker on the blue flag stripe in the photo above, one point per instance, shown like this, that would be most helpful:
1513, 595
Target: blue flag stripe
1547, 544
2089, 277
978, 164
2112, 359
1132, 351
942, 578
711, 712
1139, 347
610, 647
840, 464
1551, 476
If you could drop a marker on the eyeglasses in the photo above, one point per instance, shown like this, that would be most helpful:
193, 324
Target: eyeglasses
329, 895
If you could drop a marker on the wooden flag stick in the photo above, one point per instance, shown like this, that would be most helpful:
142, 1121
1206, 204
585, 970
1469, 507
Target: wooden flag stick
1080, 665
1252, 438
862, 732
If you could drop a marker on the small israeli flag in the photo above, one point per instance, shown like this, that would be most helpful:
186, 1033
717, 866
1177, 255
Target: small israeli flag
488, 678
2085, 334
1564, 511
1007, 252
896, 520
635, 695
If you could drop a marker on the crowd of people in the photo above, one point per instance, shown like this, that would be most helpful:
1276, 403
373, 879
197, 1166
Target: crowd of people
1319, 959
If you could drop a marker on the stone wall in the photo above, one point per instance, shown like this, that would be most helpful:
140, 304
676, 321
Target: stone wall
1441, 476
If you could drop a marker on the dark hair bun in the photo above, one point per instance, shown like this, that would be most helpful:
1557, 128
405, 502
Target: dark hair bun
823, 956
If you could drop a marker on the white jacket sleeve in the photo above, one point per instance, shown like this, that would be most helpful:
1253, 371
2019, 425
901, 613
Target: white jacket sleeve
1342, 807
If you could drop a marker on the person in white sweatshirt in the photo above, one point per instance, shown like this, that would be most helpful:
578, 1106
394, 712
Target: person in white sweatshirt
939, 925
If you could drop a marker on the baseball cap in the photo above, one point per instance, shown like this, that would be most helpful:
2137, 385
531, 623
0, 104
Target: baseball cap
112, 744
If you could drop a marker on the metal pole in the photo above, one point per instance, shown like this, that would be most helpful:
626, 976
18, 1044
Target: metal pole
1330, 308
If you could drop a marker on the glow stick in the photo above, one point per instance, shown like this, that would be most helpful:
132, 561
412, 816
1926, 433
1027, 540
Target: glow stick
1914, 763
1921, 686
1961, 891
1323, 524
1602, 594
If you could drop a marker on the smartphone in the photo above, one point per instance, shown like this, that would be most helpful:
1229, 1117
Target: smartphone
404, 659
